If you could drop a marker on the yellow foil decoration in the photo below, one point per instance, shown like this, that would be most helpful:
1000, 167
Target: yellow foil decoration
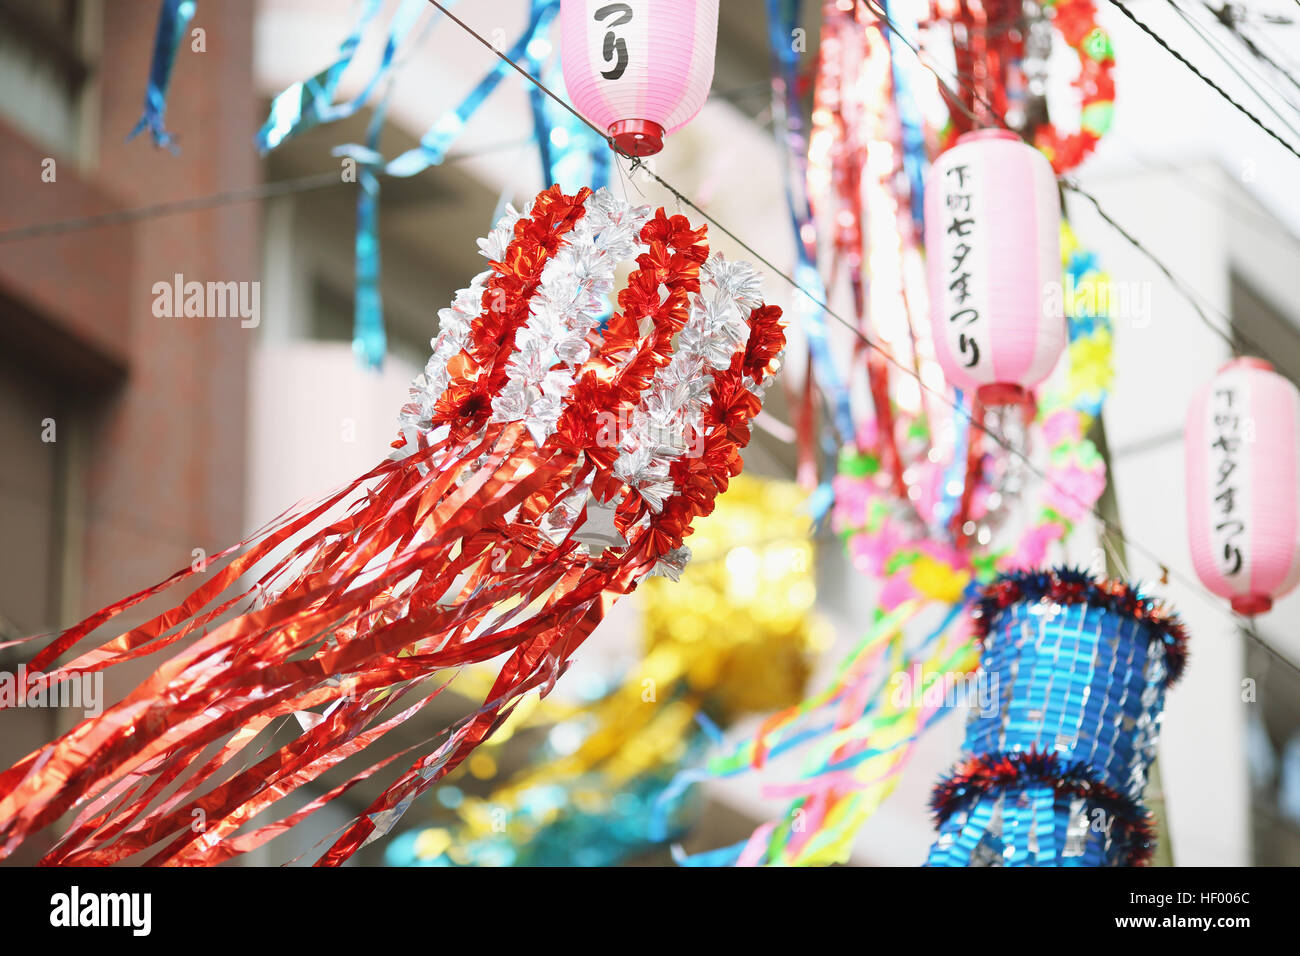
737, 625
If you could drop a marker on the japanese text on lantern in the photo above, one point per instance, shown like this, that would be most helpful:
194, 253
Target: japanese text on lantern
960, 246
1229, 508
615, 48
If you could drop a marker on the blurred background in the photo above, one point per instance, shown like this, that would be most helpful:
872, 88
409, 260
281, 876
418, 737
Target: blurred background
177, 434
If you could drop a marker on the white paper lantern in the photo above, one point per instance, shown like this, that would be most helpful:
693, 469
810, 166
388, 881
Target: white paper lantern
638, 69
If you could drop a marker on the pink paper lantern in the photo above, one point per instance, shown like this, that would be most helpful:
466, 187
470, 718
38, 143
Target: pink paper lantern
1243, 484
993, 247
638, 69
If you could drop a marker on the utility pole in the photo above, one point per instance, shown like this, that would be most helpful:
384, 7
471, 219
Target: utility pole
1117, 566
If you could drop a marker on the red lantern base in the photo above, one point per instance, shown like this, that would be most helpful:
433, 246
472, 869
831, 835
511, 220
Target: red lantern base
637, 137
1248, 361
1004, 393
1251, 604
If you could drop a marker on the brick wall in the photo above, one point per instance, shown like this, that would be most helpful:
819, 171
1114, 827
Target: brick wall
159, 403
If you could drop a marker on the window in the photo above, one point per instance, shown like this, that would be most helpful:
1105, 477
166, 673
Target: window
43, 71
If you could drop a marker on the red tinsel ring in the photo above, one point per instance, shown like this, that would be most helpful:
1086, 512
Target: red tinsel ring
1072, 586
1076, 21
1133, 829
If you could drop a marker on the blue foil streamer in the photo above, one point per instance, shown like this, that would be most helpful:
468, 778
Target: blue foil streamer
954, 477
783, 20
571, 154
548, 150
726, 856
173, 19
435, 143
369, 340
915, 160
310, 102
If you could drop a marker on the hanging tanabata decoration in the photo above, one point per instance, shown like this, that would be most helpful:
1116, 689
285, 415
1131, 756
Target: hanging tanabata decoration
876, 111
1053, 774
859, 195
1242, 445
304, 105
1002, 50
988, 48
638, 70
545, 466
1076, 21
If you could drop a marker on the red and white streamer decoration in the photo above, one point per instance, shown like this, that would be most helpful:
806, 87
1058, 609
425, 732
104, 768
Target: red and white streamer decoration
542, 471
638, 69
1242, 446
992, 234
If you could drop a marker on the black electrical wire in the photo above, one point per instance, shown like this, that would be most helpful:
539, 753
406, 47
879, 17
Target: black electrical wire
1205, 79
1217, 47
270, 190
1226, 16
